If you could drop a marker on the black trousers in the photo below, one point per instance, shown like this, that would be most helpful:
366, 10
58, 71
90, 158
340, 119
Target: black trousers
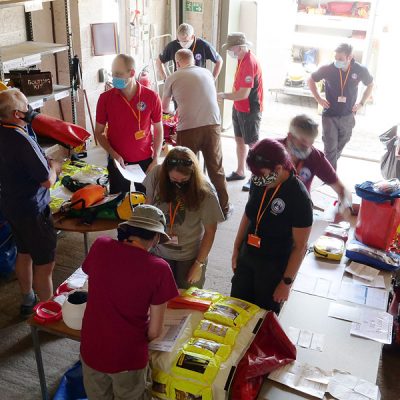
257, 276
118, 183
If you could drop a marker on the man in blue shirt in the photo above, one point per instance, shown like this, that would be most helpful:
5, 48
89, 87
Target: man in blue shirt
25, 178
341, 79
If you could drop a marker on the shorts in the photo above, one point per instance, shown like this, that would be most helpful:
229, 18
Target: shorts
118, 183
35, 235
246, 125
127, 385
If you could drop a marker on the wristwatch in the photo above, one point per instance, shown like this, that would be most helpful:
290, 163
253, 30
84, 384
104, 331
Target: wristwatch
287, 280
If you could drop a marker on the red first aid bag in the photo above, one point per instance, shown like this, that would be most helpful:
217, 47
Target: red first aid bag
270, 350
64, 132
378, 218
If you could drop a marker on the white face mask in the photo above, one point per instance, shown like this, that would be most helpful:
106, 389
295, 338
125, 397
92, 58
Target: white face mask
232, 54
186, 45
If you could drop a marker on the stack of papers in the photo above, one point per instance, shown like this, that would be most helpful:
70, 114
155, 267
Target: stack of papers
174, 325
345, 312
316, 382
367, 276
319, 278
303, 377
306, 339
375, 325
344, 386
360, 294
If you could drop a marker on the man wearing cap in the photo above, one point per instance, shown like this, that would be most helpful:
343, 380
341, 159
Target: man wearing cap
128, 292
201, 49
341, 79
199, 128
128, 123
247, 97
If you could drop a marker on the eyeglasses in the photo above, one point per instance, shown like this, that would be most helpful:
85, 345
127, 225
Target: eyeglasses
174, 162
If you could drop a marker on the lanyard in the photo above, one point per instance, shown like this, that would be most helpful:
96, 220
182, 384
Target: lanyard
18, 128
130, 106
342, 85
261, 214
195, 42
299, 166
172, 215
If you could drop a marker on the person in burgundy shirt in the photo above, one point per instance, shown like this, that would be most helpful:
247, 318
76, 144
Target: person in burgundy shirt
247, 96
309, 161
128, 291
124, 118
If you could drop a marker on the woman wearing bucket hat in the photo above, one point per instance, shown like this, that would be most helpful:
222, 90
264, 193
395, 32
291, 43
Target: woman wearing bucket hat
272, 237
126, 281
192, 209
247, 96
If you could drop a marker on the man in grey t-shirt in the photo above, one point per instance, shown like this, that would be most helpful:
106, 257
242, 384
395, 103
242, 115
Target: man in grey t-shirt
199, 129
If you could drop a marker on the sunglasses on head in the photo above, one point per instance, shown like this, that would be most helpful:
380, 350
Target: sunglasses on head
173, 162
258, 158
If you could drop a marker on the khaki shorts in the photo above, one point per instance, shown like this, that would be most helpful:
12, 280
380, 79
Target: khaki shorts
126, 385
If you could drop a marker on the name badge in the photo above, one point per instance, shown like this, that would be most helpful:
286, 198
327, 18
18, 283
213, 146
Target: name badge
140, 135
341, 99
174, 240
254, 240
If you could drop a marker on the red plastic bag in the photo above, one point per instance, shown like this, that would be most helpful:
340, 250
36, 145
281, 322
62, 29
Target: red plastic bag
64, 132
377, 223
270, 350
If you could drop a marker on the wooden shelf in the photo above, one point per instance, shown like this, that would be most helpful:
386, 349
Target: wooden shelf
333, 22
321, 41
59, 93
27, 53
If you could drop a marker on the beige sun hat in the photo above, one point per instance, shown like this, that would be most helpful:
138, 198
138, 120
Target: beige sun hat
148, 217
236, 39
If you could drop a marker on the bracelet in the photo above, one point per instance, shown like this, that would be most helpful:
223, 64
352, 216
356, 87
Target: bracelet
200, 263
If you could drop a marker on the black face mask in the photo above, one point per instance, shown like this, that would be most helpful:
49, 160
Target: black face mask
29, 115
182, 186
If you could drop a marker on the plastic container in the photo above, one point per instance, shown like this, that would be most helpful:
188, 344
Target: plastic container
74, 308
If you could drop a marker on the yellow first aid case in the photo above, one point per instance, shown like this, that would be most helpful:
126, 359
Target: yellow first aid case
329, 248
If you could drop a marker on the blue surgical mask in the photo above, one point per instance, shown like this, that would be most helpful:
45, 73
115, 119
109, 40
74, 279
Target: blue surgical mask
264, 180
120, 83
295, 151
340, 64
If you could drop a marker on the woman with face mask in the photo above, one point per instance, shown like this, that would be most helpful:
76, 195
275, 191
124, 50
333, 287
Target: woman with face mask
272, 237
180, 189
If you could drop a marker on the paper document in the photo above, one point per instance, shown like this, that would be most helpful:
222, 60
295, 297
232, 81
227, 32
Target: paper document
345, 312
306, 339
375, 325
303, 377
362, 271
132, 173
317, 230
173, 328
378, 282
369, 296
316, 286
344, 386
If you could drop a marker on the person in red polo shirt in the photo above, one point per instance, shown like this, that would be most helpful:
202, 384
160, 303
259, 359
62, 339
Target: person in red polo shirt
124, 117
247, 96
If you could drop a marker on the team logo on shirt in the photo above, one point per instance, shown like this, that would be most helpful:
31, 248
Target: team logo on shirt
305, 174
248, 79
354, 76
198, 56
141, 106
277, 206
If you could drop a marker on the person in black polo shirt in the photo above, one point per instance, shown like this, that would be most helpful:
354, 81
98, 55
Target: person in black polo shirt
340, 106
25, 178
201, 49
272, 237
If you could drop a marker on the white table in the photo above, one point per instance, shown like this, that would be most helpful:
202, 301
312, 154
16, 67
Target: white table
342, 351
